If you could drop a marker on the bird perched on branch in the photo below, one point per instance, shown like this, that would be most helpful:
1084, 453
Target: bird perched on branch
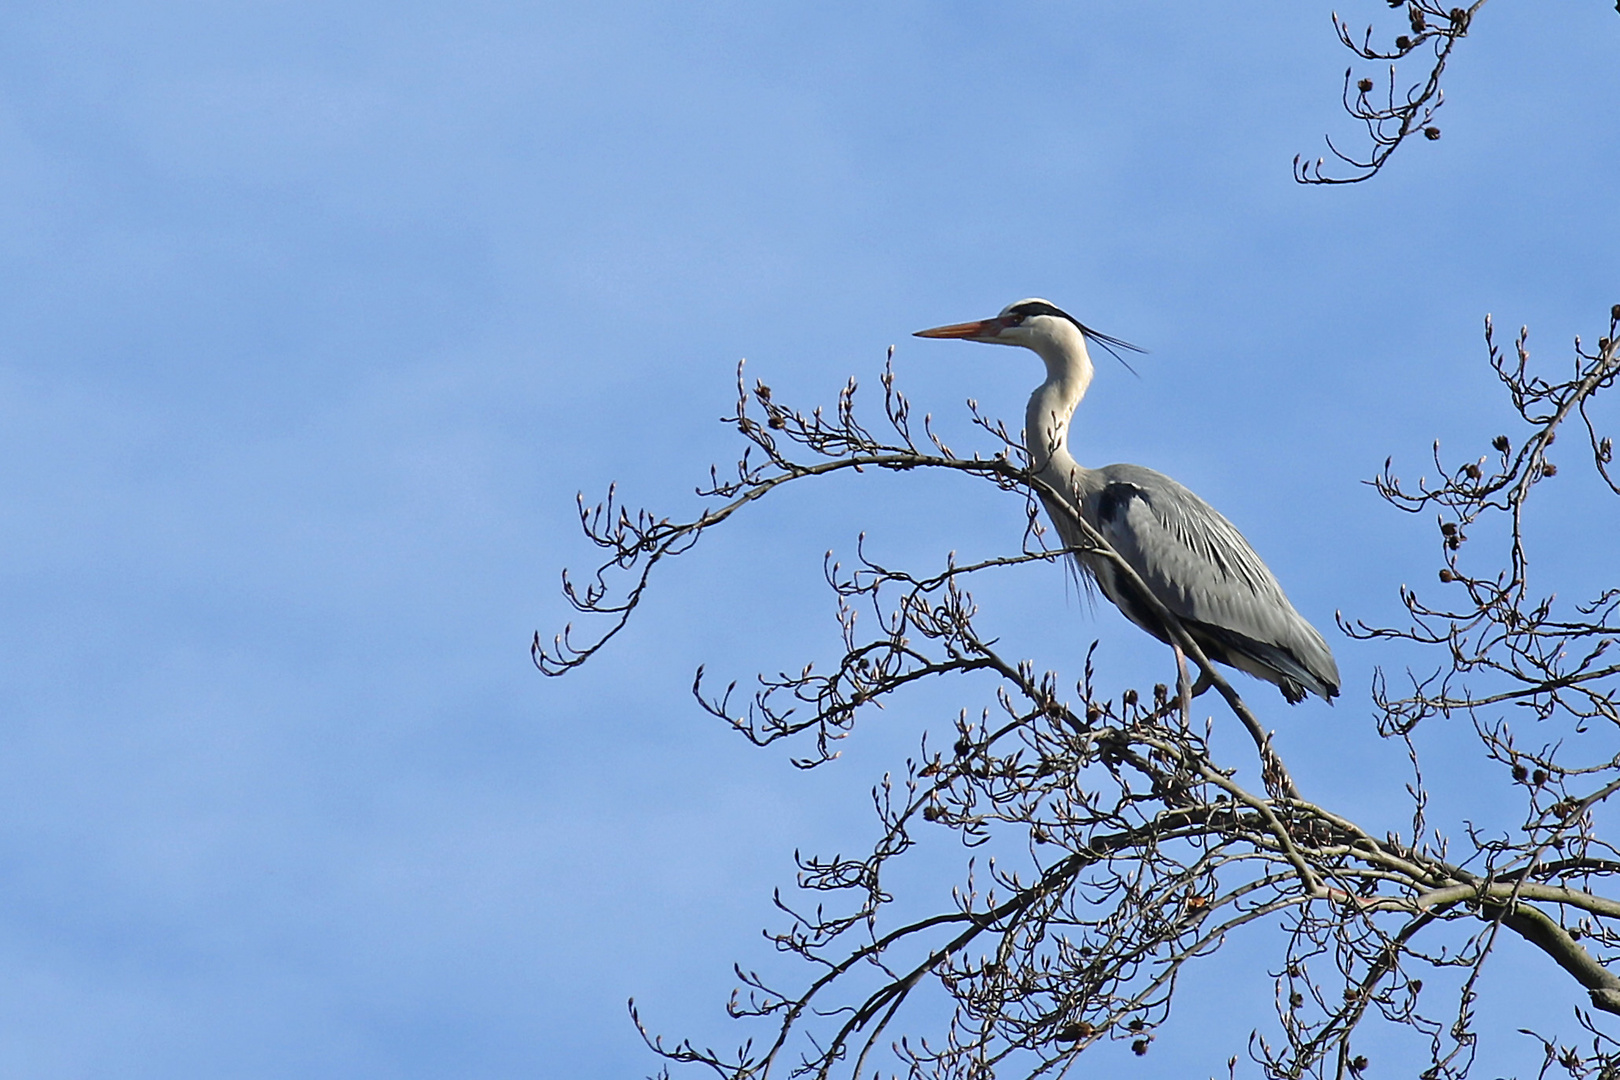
1187, 554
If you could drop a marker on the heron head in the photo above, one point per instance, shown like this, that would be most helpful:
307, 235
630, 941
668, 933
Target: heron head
1035, 324
1028, 323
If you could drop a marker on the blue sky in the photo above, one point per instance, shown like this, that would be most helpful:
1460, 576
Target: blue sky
316, 317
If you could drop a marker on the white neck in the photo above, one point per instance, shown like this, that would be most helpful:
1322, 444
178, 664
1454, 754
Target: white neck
1052, 405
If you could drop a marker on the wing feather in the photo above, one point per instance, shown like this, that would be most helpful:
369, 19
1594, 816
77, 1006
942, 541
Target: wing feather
1201, 568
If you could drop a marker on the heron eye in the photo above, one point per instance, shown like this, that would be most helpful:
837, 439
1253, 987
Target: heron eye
1014, 319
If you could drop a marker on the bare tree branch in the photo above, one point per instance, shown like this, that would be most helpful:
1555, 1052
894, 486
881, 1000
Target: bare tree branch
1431, 30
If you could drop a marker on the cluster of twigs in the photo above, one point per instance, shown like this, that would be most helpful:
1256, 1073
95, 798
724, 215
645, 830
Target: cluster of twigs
1545, 659
1509, 649
1108, 847
1391, 115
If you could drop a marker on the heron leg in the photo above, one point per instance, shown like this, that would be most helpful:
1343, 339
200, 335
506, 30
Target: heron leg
1184, 687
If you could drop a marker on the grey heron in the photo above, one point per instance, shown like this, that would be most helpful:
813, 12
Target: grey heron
1189, 556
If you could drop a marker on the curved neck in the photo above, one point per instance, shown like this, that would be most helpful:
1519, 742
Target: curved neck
1051, 406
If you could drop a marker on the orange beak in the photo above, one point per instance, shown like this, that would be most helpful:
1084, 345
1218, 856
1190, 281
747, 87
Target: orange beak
981, 329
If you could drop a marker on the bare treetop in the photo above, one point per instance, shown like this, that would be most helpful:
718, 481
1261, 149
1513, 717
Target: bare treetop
1108, 847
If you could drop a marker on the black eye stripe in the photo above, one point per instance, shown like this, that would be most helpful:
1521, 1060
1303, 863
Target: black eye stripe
1019, 312
1024, 311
